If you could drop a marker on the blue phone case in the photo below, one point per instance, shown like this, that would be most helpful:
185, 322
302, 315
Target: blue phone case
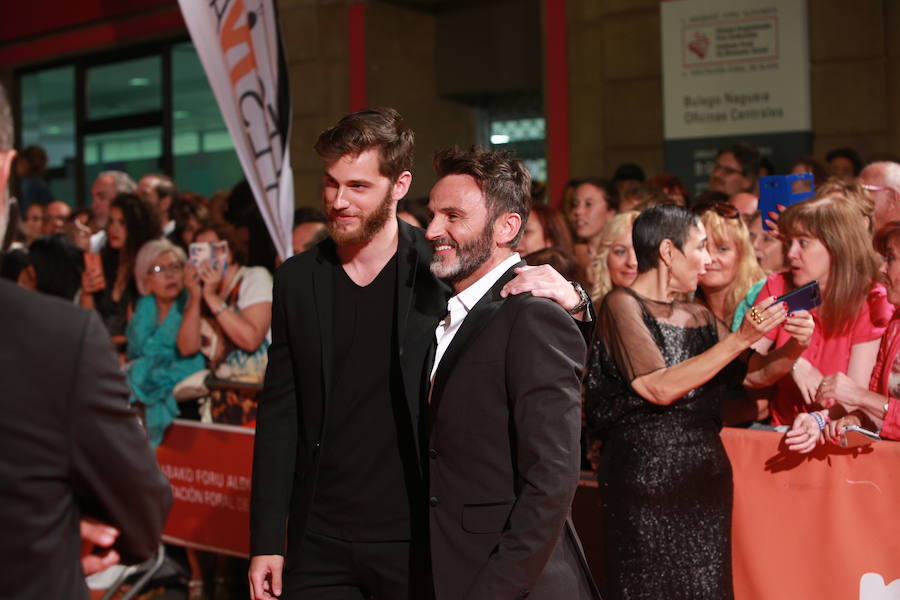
780, 189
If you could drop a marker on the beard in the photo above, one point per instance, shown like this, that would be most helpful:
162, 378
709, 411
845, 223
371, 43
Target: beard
469, 256
370, 224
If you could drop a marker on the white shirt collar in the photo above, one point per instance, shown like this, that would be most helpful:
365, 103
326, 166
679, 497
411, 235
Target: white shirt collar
472, 294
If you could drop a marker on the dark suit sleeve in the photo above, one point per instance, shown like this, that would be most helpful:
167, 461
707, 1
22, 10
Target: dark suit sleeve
545, 360
275, 445
114, 471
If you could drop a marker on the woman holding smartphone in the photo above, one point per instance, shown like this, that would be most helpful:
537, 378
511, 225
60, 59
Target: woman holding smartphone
111, 291
876, 406
237, 300
826, 242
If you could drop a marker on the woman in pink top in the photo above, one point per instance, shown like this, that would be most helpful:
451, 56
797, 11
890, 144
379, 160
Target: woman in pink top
827, 240
879, 405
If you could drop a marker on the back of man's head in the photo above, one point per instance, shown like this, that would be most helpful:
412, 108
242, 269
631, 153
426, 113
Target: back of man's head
375, 128
122, 180
884, 173
504, 180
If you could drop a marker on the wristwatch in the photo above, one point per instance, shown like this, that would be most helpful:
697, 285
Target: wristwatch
585, 299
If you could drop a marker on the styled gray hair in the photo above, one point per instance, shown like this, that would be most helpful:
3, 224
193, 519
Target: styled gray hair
147, 255
123, 181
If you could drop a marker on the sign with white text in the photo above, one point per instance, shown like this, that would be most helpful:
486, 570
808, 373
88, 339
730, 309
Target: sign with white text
734, 70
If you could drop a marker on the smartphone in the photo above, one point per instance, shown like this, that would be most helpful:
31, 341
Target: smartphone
199, 252
806, 297
220, 255
93, 264
854, 436
783, 190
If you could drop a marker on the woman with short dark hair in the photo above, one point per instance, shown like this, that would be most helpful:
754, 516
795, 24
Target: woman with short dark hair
658, 373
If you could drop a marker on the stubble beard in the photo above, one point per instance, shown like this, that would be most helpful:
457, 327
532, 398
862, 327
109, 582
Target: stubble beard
469, 256
370, 225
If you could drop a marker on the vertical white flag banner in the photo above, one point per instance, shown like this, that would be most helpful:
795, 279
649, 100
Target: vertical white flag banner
239, 45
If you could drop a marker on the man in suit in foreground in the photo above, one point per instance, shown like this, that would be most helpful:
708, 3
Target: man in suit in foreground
504, 409
70, 447
338, 507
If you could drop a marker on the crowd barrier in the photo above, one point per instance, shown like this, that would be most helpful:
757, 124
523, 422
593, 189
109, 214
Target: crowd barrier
825, 525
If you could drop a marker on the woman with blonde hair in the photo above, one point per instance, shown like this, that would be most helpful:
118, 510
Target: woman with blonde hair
827, 242
734, 278
615, 263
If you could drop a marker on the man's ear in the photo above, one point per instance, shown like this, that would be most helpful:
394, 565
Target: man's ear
28, 278
666, 251
506, 227
401, 186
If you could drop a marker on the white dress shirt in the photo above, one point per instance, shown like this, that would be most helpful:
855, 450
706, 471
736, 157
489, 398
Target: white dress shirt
458, 307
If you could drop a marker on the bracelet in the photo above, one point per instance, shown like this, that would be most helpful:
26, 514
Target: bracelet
820, 420
222, 307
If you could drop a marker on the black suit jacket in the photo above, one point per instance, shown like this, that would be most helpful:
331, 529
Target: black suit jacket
505, 423
70, 446
293, 406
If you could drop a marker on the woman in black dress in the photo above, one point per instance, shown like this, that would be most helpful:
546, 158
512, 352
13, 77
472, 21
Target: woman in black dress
658, 372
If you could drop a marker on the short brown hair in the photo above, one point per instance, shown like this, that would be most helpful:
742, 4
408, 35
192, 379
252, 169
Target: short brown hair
504, 180
380, 128
554, 225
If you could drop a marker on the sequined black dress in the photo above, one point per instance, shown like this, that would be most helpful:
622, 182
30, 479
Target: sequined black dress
665, 479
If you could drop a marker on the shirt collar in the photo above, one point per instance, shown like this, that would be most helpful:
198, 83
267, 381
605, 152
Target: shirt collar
472, 294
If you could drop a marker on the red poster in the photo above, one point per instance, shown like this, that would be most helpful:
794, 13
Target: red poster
209, 468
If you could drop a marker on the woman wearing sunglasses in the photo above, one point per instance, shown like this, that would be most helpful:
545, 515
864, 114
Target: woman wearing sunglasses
156, 365
733, 278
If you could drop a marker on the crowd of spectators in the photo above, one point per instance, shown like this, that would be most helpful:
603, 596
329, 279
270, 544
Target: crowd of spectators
183, 319
127, 256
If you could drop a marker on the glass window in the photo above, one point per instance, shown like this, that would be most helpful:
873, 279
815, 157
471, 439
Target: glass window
124, 88
48, 113
203, 153
135, 151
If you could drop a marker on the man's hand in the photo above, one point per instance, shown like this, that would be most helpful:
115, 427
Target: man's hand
96, 542
544, 281
265, 576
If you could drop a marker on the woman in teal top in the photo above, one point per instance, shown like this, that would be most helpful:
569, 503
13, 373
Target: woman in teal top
155, 364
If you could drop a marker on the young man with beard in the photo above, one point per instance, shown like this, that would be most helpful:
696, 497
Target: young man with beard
504, 412
338, 501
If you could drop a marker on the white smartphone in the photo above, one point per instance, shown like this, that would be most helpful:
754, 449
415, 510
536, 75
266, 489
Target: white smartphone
854, 436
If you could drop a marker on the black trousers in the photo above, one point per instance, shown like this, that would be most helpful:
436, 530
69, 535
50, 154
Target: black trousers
331, 569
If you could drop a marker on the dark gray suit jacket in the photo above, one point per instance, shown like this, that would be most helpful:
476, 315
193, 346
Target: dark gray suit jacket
504, 454
70, 447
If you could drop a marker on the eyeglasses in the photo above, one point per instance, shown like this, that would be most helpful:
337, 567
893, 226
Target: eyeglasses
723, 209
726, 169
174, 269
870, 187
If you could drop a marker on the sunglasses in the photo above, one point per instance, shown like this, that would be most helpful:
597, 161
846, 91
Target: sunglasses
723, 209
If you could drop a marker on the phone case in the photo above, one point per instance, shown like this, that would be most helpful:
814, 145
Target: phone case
806, 297
783, 190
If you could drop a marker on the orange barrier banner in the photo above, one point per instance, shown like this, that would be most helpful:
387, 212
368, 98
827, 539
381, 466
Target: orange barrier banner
209, 468
823, 525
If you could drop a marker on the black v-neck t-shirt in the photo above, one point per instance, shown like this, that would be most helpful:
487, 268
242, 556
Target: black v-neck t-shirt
361, 491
